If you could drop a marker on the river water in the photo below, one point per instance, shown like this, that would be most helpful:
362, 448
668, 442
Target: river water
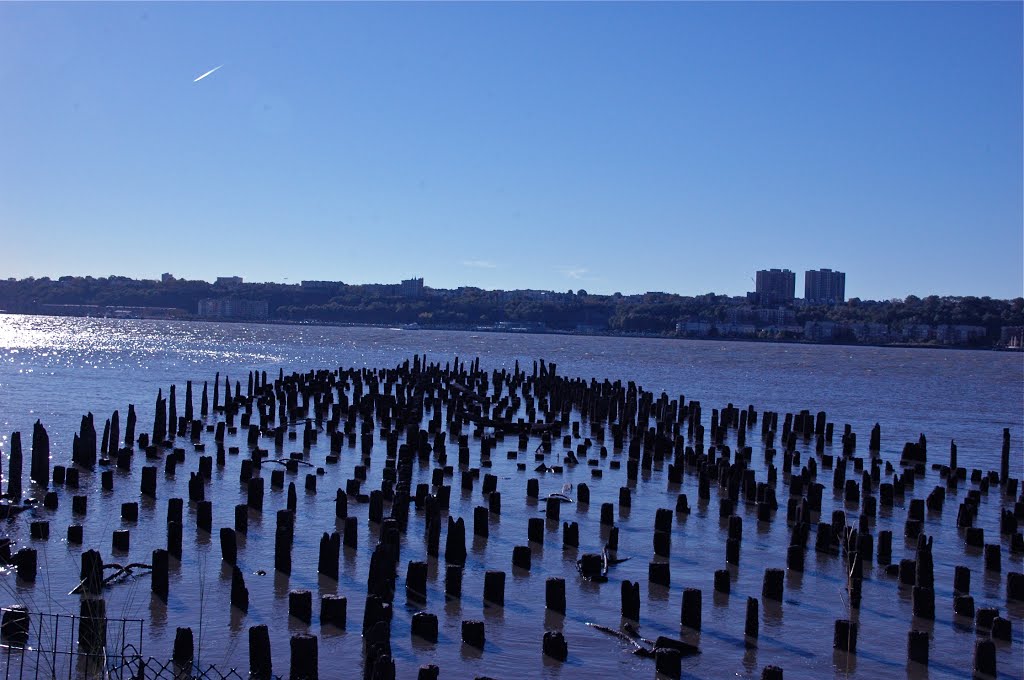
56, 369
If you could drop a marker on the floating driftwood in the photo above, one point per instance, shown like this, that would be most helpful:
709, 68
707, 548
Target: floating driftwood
121, 571
286, 461
11, 510
563, 495
509, 427
644, 647
639, 649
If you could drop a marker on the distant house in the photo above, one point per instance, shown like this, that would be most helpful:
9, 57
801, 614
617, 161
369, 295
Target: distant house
819, 330
870, 332
918, 332
776, 316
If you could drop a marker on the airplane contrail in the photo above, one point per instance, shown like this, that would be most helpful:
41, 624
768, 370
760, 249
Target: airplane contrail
207, 73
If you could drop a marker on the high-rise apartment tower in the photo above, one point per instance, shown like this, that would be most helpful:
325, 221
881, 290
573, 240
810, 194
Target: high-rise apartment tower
775, 286
824, 287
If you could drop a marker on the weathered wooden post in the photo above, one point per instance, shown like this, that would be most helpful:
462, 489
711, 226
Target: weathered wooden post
690, 616
260, 666
333, 611
494, 588
239, 593
300, 605
184, 646
555, 646
92, 626
330, 553
14, 465
40, 472
845, 636
283, 537
424, 626
554, 594
917, 646
159, 579
473, 633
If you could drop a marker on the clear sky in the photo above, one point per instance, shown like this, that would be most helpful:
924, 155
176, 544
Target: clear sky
613, 147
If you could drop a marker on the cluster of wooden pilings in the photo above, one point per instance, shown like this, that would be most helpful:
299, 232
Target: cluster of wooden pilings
411, 416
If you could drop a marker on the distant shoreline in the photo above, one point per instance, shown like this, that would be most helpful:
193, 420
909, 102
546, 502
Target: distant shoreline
534, 331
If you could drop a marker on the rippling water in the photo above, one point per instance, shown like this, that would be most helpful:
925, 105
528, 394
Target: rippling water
56, 369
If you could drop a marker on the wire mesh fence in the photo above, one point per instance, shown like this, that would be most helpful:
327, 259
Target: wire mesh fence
154, 669
40, 646
45, 645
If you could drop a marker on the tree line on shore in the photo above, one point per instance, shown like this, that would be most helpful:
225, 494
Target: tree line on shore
657, 313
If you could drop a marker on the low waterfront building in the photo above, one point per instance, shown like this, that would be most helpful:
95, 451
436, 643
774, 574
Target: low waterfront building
870, 332
73, 310
737, 330
1011, 337
320, 285
820, 330
779, 316
958, 334
699, 328
130, 312
228, 308
917, 332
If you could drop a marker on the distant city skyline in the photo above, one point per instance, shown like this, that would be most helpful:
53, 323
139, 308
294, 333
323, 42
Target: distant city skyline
676, 147
772, 287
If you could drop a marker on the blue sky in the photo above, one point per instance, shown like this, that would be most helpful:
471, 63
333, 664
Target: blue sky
613, 147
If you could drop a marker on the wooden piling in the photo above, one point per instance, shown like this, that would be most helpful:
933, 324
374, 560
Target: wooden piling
304, 658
